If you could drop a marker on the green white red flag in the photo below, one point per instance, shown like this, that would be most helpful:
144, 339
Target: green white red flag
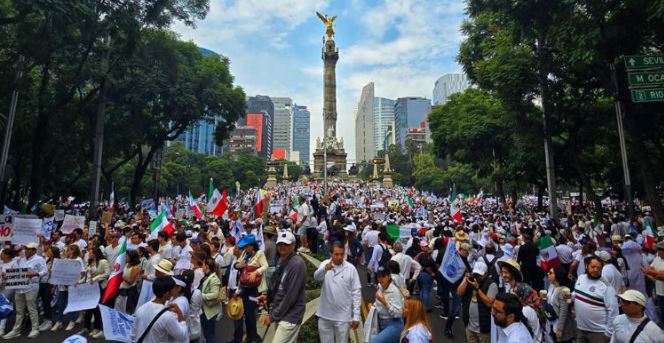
455, 206
194, 207
115, 279
161, 223
548, 253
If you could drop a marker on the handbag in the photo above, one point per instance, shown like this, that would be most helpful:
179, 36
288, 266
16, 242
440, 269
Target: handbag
244, 277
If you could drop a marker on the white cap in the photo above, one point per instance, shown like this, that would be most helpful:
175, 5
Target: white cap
633, 296
480, 268
285, 237
603, 255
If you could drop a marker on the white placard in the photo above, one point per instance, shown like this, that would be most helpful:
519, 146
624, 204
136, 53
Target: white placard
82, 297
59, 215
26, 230
17, 278
146, 293
117, 325
92, 228
65, 272
378, 204
5, 232
72, 222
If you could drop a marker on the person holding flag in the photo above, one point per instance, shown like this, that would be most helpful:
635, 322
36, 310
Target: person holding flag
194, 207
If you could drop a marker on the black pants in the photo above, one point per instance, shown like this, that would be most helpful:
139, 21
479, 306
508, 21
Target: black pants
312, 238
96, 313
46, 297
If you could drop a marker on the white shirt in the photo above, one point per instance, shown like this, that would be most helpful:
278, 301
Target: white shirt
183, 304
340, 282
595, 304
404, 262
625, 327
35, 264
166, 251
166, 329
417, 334
613, 277
303, 211
372, 238
149, 267
564, 253
111, 253
394, 299
514, 333
658, 264
375, 258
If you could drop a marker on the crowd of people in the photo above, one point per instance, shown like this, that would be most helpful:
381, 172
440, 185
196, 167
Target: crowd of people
505, 269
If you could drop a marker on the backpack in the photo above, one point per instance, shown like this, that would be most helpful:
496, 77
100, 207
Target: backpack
491, 267
386, 257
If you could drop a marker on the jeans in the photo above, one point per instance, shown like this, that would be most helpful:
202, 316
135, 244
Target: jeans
46, 297
207, 326
444, 292
454, 311
426, 283
390, 330
63, 297
249, 316
29, 300
312, 239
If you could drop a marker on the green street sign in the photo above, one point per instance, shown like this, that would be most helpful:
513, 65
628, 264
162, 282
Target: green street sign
648, 95
645, 78
644, 61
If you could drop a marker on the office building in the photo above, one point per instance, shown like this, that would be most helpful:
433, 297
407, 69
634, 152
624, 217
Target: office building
301, 134
447, 85
409, 113
242, 138
199, 137
383, 123
364, 136
263, 124
282, 131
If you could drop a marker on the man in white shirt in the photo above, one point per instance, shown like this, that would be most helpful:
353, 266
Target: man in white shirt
171, 325
302, 224
26, 297
165, 246
656, 273
112, 250
633, 304
406, 264
183, 260
507, 314
340, 281
595, 304
153, 250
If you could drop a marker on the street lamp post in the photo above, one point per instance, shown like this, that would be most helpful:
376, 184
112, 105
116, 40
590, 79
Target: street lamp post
325, 167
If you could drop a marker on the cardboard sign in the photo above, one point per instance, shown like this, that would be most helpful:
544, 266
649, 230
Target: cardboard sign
25, 230
82, 297
65, 272
17, 278
72, 222
106, 218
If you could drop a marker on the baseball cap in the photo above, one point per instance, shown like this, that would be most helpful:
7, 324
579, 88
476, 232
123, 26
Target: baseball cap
633, 296
480, 268
286, 237
32, 245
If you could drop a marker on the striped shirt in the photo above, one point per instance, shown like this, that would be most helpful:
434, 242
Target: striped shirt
595, 304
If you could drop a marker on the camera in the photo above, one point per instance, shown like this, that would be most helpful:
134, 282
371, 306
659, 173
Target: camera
471, 279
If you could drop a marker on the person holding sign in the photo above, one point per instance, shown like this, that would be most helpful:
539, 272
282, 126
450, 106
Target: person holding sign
7, 261
97, 270
27, 297
72, 252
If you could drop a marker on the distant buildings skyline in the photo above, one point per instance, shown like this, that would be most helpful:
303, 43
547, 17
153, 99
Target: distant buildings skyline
447, 85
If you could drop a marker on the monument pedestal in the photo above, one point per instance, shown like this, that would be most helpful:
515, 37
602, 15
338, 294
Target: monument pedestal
335, 157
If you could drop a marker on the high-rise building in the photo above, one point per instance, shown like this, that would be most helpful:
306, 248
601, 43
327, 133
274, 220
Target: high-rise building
282, 131
409, 113
242, 138
364, 135
383, 122
301, 133
263, 124
447, 85
199, 137
262, 104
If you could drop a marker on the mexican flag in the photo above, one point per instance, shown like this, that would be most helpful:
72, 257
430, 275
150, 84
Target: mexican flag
396, 231
411, 202
548, 253
651, 235
210, 191
194, 207
115, 279
260, 202
455, 206
218, 203
161, 223
111, 201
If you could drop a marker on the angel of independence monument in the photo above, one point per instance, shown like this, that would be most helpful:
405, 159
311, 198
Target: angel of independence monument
330, 151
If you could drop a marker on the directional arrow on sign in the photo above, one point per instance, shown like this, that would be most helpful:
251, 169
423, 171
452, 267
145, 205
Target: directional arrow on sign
632, 61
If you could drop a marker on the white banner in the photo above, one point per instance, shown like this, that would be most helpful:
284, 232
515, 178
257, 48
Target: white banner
82, 297
26, 230
92, 228
72, 222
117, 325
65, 272
146, 293
17, 278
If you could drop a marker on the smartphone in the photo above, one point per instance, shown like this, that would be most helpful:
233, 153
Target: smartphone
471, 279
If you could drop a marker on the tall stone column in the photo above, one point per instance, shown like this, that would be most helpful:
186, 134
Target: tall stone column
330, 57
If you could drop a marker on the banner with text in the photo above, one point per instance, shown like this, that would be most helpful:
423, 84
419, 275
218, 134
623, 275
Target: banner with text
117, 325
17, 278
65, 272
72, 222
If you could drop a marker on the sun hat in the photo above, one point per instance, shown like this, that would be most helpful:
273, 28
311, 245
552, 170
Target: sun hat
633, 296
234, 308
165, 266
270, 229
461, 235
246, 240
513, 266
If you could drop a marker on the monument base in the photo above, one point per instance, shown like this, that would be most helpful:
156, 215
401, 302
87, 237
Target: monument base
335, 157
387, 180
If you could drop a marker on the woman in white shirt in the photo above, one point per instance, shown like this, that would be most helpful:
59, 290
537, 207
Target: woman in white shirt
182, 296
72, 252
417, 328
389, 305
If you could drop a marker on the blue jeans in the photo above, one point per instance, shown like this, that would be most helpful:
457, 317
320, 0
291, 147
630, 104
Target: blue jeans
454, 311
390, 331
426, 283
207, 326
62, 304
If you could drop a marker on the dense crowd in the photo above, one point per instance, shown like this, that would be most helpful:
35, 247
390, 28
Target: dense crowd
508, 271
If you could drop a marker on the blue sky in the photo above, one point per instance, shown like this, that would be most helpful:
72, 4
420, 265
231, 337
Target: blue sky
274, 47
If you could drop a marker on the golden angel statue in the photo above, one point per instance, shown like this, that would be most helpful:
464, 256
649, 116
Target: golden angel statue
328, 21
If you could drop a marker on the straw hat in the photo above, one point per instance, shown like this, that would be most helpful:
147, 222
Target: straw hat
165, 266
513, 266
461, 235
235, 309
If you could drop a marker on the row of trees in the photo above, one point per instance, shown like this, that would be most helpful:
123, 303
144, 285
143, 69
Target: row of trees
77, 58
537, 62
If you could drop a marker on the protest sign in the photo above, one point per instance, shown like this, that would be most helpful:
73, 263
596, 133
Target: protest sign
149, 204
275, 209
59, 215
146, 293
65, 272
379, 216
72, 222
17, 278
82, 297
378, 204
117, 325
5, 232
92, 228
25, 230
106, 218
47, 227
179, 214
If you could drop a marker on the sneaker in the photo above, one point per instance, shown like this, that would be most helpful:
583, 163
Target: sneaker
33, 333
57, 326
45, 326
12, 334
438, 306
93, 332
70, 326
82, 332
79, 319
443, 315
99, 334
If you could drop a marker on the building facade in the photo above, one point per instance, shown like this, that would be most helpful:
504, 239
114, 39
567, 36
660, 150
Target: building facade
282, 131
301, 134
447, 85
364, 136
383, 123
199, 137
242, 138
409, 113
263, 124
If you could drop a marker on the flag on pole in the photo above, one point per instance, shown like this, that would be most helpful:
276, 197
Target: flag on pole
218, 203
210, 190
651, 235
452, 267
455, 206
237, 230
161, 223
397, 232
260, 202
548, 253
194, 207
115, 279
111, 201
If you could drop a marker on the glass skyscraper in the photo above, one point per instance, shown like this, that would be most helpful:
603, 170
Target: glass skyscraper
383, 118
447, 85
301, 132
409, 113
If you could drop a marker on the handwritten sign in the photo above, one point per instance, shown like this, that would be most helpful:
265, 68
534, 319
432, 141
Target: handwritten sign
106, 218
17, 278
25, 230
72, 222
5, 232
92, 228
65, 272
83, 297
117, 325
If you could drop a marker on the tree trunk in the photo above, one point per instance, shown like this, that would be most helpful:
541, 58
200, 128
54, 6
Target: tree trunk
40, 138
540, 196
587, 184
500, 189
139, 173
